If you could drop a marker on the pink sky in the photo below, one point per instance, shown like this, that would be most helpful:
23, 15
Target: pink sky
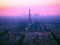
17, 8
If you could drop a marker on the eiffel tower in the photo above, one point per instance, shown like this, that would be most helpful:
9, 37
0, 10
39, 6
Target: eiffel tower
29, 20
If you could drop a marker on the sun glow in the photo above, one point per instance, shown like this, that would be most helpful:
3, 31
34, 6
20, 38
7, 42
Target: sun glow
4, 3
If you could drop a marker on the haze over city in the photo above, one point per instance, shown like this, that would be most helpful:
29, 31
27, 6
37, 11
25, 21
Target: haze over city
29, 22
20, 7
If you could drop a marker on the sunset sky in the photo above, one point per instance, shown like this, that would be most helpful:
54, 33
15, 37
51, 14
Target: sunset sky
20, 7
